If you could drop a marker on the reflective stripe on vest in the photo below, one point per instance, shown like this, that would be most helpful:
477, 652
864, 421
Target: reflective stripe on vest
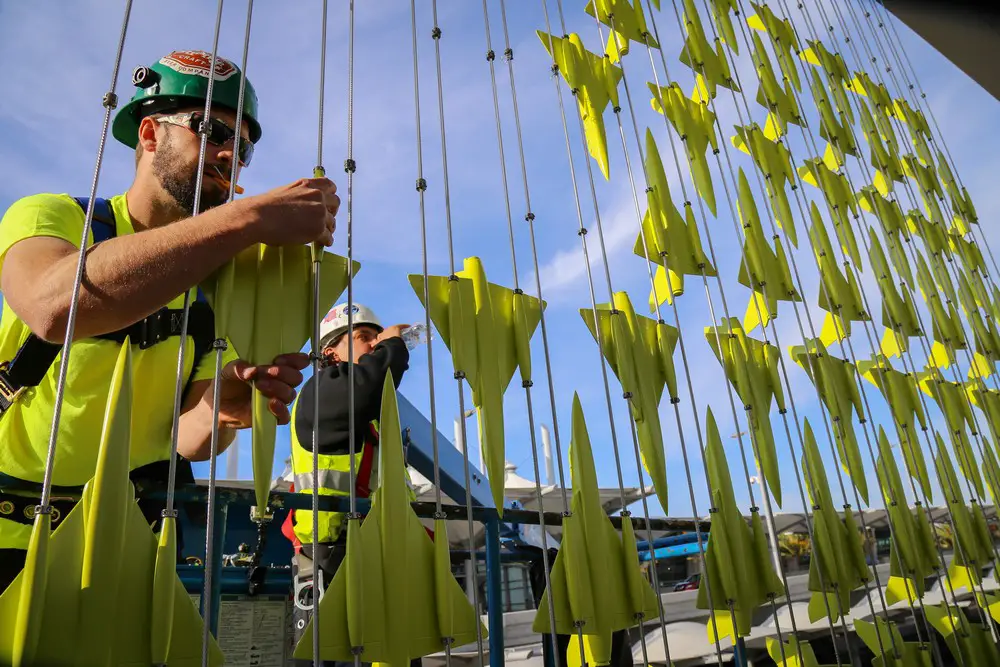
337, 481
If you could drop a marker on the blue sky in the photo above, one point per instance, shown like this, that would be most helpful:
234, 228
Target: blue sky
60, 63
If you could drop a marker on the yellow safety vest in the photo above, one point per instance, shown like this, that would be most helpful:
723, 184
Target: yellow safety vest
334, 480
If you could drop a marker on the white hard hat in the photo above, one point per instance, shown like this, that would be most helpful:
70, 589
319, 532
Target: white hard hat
335, 323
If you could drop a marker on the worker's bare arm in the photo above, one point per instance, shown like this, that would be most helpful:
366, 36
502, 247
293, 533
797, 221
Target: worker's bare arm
131, 276
275, 381
194, 432
126, 278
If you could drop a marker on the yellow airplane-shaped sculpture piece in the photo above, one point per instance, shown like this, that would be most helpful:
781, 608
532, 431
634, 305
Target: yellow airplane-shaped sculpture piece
884, 153
939, 269
841, 557
783, 39
957, 415
839, 295
739, 569
970, 643
835, 68
628, 22
965, 211
796, 653
488, 329
775, 162
912, 552
594, 81
925, 176
888, 212
969, 252
968, 297
780, 101
883, 635
836, 132
991, 467
947, 329
640, 352
393, 597
840, 201
763, 270
98, 570
711, 67
671, 242
834, 379
263, 303
894, 227
933, 235
988, 402
695, 124
751, 366
863, 85
916, 122
595, 579
936, 216
987, 341
723, 22
974, 550
899, 315
901, 394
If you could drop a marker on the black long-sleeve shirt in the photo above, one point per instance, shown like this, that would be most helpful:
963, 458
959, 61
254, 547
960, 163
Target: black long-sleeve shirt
334, 408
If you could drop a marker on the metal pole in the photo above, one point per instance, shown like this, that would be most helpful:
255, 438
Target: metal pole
471, 582
550, 473
459, 440
233, 461
213, 569
740, 653
494, 605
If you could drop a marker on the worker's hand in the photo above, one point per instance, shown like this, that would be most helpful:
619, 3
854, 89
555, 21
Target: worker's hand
276, 381
395, 331
301, 212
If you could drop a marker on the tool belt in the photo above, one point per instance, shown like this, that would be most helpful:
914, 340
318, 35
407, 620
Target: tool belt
35, 356
21, 509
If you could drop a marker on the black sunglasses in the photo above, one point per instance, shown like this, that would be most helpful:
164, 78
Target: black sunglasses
219, 134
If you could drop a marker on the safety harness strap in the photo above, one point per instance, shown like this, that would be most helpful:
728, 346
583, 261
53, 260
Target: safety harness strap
35, 356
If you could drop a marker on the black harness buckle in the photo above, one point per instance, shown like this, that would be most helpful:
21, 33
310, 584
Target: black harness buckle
9, 390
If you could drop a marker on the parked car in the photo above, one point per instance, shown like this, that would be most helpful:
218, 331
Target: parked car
689, 584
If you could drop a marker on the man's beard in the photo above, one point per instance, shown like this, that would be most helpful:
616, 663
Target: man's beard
180, 180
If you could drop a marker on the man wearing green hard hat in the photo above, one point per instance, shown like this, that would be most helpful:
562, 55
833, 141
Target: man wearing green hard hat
146, 250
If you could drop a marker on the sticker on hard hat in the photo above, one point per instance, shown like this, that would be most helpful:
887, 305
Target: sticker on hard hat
340, 312
198, 63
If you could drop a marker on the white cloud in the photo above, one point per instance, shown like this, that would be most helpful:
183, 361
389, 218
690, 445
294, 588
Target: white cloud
564, 273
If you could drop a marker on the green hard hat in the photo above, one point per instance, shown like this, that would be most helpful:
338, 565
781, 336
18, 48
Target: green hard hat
181, 79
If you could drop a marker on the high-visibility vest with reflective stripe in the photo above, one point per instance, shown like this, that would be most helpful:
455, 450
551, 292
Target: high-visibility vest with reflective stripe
334, 480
